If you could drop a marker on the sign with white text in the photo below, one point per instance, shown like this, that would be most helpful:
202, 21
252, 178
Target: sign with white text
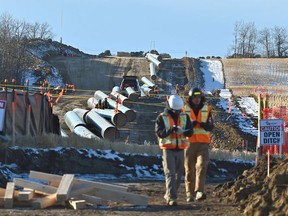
271, 132
2, 113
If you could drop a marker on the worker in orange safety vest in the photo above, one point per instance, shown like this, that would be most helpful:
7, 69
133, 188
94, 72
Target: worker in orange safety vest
197, 153
172, 127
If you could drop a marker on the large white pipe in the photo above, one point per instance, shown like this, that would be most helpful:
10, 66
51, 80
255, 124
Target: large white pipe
77, 125
148, 82
84, 132
154, 60
106, 129
117, 118
158, 57
146, 89
123, 99
92, 102
152, 71
130, 114
72, 120
132, 95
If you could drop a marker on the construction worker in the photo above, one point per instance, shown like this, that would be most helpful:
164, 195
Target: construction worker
197, 153
172, 127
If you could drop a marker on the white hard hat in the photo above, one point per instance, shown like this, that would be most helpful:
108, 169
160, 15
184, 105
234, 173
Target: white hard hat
116, 89
175, 102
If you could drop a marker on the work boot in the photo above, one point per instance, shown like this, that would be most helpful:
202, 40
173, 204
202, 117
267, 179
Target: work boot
200, 196
172, 202
189, 199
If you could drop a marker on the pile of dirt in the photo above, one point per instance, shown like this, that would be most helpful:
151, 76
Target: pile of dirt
255, 192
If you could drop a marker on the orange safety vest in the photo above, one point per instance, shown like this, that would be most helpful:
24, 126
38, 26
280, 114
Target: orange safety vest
200, 135
170, 142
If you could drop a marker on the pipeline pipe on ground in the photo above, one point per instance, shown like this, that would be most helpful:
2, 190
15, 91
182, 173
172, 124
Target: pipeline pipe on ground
123, 99
92, 102
152, 71
148, 82
72, 120
130, 114
132, 95
154, 60
119, 119
146, 89
77, 125
107, 130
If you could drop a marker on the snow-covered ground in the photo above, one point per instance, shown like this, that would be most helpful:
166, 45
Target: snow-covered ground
214, 80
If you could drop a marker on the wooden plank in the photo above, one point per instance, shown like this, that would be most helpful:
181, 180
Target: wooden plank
39, 188
26, 195
44, 202
77, 204
55, 180
92, 200
9, 194
63, 191
2, 192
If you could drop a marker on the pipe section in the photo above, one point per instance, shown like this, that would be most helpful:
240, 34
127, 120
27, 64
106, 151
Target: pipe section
123, 99
155, 61
132, 95
77, 125
92, 102
148, 82
106, 129
130, 114
152, 71
118, 119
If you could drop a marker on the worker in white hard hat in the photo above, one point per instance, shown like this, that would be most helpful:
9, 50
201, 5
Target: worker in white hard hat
172, 127
197, 153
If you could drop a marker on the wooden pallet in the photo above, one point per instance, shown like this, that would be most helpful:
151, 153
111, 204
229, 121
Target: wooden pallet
64, 190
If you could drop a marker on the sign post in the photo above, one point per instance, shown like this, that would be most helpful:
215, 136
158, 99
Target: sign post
2, 114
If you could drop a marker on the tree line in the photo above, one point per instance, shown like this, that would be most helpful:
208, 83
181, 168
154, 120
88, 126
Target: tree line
14, 38
249, 42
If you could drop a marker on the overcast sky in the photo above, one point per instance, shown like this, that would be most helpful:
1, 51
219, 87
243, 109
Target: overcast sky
200, 28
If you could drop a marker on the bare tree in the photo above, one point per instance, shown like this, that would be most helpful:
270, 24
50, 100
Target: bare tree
251, 40
280, 38
266, 40
45, 31
235, 42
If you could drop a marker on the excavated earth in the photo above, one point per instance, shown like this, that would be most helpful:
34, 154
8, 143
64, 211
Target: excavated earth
246, 193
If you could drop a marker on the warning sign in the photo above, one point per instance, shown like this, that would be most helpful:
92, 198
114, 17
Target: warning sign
2, 113
271, 132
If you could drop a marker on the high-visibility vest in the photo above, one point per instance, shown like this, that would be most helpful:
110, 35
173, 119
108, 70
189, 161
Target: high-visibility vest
174, 140
199, 134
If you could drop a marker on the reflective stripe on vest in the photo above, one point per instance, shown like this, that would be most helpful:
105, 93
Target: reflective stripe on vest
170, 142
200, 135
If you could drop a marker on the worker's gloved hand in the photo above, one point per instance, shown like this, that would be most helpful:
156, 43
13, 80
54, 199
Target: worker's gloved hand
194, 123
172, 129
175, 128
204, 125
180, 130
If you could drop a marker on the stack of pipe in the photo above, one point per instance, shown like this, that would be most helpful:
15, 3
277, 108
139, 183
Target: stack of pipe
116, 93
154, 62
117, 118
130, 114
106, 129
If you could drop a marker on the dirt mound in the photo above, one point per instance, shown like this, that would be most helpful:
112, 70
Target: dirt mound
255, 192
